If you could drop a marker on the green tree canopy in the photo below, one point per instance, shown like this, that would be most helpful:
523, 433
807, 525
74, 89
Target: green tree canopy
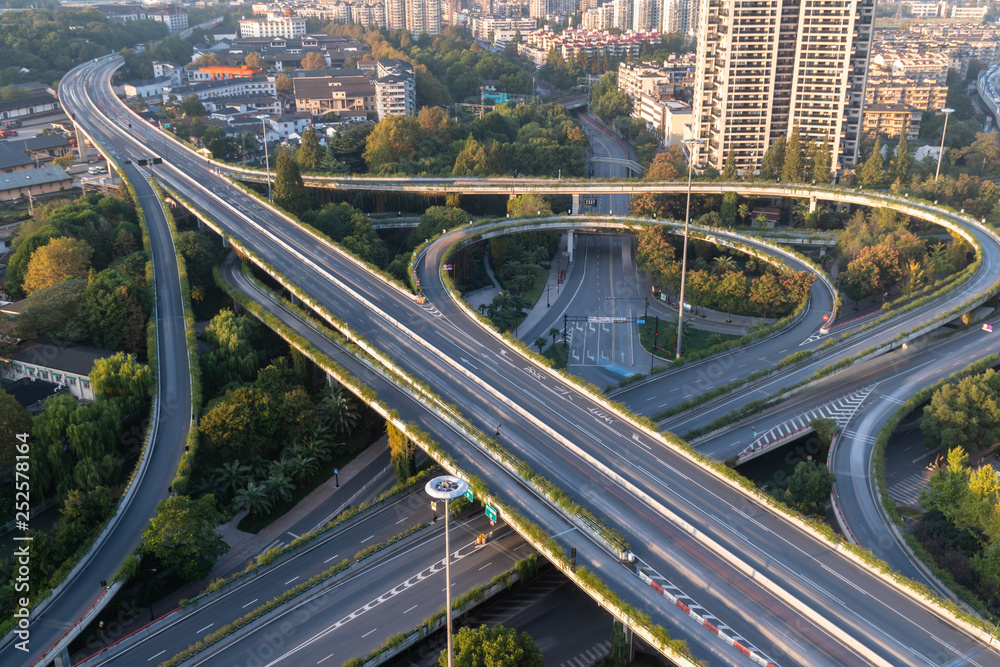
182, 535
289, 191
872, 172
809, 485
191, 107
965, 414
773, 162
310, 152
792, 169
493, 647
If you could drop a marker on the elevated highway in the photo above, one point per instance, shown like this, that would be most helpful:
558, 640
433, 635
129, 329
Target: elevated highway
783, 586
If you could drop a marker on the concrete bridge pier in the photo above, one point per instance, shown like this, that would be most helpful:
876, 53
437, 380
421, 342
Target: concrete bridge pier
812, 204
576, 204
81, 143
569, 244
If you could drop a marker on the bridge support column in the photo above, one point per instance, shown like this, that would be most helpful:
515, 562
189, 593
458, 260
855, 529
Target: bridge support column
576, 204
81, 144
812, 204
569, 244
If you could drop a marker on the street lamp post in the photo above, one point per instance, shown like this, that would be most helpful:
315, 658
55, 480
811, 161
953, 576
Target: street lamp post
687, 220
947, 112
447, 488
267, 160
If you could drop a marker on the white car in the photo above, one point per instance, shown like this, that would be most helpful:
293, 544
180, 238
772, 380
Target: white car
97, 170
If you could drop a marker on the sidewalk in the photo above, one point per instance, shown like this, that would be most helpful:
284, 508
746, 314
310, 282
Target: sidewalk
541, 313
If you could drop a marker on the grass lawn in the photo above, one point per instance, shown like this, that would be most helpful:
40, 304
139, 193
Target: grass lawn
341, 457
696, 339
558, 353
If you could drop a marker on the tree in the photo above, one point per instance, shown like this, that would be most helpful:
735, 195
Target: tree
313, 60
254, 497
493, 647
65, 161
540, 343
773, 162
809, 485
823, 162
182, 535
15, 421
60, 259
872, 172
982, 154
337, 410
965, 414
727, 213
116, 311
792, 167
289, 191
553, 331
191, 107
280, 485
391, 141
528, 204
872, 271
255, 61
723, 264
744, 212
655, 255
231, 476
121, 377
402, 453
283, 84
54, 311
729, 170
310, 152
901, 160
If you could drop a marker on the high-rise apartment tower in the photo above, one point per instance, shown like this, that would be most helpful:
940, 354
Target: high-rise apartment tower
765, 66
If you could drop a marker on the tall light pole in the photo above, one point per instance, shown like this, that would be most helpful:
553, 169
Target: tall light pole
447, 488
687, 220
947, 112
267, 160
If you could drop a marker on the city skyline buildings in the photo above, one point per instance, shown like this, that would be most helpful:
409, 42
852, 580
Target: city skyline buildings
767, 66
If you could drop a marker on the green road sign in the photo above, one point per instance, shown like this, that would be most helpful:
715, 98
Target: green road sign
491, 513
468, 494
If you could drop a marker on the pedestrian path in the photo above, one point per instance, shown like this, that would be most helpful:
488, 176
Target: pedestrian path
840, 410
590, 656
907, 491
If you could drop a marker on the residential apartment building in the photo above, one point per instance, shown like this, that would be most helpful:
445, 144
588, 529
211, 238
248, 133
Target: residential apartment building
488, 27
583, 44
274, 25
646, 15
923, 94
679, 16
395, 14
892, 119
765, 67
395, 88
423, 16
174, 19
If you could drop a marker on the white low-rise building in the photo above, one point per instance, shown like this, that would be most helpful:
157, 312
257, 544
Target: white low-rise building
57, 361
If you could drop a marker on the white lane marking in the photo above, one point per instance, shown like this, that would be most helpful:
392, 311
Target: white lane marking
249, 603
205, 628
410, 609
289, 581
330, 558
157, 655
367, 538
369, 632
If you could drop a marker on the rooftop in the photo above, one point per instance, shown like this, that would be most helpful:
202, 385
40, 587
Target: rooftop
59, 355
29, 177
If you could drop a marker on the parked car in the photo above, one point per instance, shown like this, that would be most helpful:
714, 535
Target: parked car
13, 123
96, 170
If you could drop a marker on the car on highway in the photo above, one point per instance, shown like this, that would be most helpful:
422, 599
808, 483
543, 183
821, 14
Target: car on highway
988, 327
8, 133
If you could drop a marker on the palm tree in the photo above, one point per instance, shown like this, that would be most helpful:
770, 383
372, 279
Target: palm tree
280, 485
554, 332
723, 264
319, 443
744, 211
540, 343
231, 475
302, 465
338, 411
254, 497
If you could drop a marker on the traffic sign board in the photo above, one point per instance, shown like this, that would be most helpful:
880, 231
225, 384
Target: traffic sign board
491, 513
607, 320
640, 321
468, 493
